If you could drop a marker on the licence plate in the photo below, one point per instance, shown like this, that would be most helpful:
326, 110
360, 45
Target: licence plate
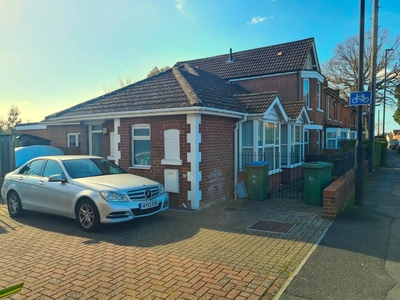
148, 205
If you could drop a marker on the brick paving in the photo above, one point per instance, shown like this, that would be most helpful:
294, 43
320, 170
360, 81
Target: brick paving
207, 254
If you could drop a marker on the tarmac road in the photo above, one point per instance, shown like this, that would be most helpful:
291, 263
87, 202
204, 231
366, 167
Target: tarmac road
359, 257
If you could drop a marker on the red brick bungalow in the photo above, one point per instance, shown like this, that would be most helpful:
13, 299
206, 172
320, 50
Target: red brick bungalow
188, 128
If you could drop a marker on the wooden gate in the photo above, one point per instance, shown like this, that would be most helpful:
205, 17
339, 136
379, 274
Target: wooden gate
7, 158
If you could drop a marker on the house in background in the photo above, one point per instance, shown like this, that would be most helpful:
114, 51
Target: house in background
194, 127
340, 119
292, 69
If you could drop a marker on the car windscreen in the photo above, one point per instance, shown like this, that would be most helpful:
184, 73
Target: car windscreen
87, 167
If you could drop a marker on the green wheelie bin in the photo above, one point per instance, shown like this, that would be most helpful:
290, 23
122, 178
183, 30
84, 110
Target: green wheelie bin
317, 176
257, 180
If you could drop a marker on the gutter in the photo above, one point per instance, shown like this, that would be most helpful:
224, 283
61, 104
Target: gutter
142, 113
236, 152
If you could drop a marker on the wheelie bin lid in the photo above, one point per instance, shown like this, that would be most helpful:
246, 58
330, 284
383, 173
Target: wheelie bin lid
317, 165
257, 164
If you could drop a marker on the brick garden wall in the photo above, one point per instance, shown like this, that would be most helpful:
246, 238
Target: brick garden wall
337, 193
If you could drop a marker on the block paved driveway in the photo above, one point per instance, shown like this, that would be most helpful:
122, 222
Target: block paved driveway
207, 254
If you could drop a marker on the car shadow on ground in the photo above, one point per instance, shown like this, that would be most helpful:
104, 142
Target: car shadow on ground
234, 216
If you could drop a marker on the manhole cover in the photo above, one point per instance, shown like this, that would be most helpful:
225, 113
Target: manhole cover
272, 226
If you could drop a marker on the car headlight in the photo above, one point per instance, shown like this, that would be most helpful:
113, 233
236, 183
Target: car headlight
113, 197
162, 189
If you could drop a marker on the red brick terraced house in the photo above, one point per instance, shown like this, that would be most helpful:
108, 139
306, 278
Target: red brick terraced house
194, 127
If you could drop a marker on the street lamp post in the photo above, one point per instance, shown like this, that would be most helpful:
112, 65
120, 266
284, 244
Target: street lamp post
384, 91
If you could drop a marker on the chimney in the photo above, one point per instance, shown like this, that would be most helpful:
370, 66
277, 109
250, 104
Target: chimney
230, 55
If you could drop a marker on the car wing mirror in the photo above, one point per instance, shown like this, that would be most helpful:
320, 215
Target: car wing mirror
56, 178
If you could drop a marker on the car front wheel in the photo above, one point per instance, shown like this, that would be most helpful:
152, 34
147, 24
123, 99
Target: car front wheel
14, 205
87, 215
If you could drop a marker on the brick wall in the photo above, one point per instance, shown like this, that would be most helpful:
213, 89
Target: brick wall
157, 127
338, 192
217, 162
59, 135
286, 85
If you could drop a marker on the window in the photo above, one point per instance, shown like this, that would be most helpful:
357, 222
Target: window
340, 113
306, 92
319, 94
328, 107
335, 113
265, 148
306, 141
74, 139
52, 168
332, 138
34, 168
141, 146
296, 144
270, 144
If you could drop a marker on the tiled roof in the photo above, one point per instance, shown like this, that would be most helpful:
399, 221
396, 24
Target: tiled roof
293, 109
274, 59
178, 87
256, 103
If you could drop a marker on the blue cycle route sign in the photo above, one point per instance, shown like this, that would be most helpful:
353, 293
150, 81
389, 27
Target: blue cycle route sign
360, 98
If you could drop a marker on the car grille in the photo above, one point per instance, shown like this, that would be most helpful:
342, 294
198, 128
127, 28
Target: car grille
140, 194
139, 212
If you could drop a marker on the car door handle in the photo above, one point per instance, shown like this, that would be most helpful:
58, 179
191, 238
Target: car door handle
21, 178
41, 182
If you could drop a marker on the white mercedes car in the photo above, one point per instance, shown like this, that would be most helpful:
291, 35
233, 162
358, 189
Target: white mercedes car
90, 189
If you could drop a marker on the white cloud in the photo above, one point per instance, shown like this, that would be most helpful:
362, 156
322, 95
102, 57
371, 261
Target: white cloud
258, 19
180, 5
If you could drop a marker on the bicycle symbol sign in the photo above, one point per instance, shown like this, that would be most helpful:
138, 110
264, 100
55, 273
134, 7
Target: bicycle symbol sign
360, 98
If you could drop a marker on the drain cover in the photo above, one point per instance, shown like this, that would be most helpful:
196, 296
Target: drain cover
272, 226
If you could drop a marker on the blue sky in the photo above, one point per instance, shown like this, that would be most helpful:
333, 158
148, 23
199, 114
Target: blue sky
55, 54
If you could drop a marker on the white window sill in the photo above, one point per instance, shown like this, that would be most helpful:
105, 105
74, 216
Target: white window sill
309, 108
320, 110
172, 162
142, 167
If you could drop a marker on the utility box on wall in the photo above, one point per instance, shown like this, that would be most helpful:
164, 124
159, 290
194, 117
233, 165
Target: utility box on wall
171, 180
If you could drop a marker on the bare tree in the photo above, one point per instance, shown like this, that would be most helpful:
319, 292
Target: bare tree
156, 70
342, 69
8, 126
122, 82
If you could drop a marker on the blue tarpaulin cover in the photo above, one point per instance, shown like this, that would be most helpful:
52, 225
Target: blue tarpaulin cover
23, 154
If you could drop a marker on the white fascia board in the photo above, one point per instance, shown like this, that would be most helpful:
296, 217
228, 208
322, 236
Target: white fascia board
314, 50
277, 103
33, 126
312, 74
305, 115
142, 113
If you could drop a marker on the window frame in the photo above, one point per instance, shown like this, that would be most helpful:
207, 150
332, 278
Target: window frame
306, 93
77, 136
328, 102
140, 138
319, 95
